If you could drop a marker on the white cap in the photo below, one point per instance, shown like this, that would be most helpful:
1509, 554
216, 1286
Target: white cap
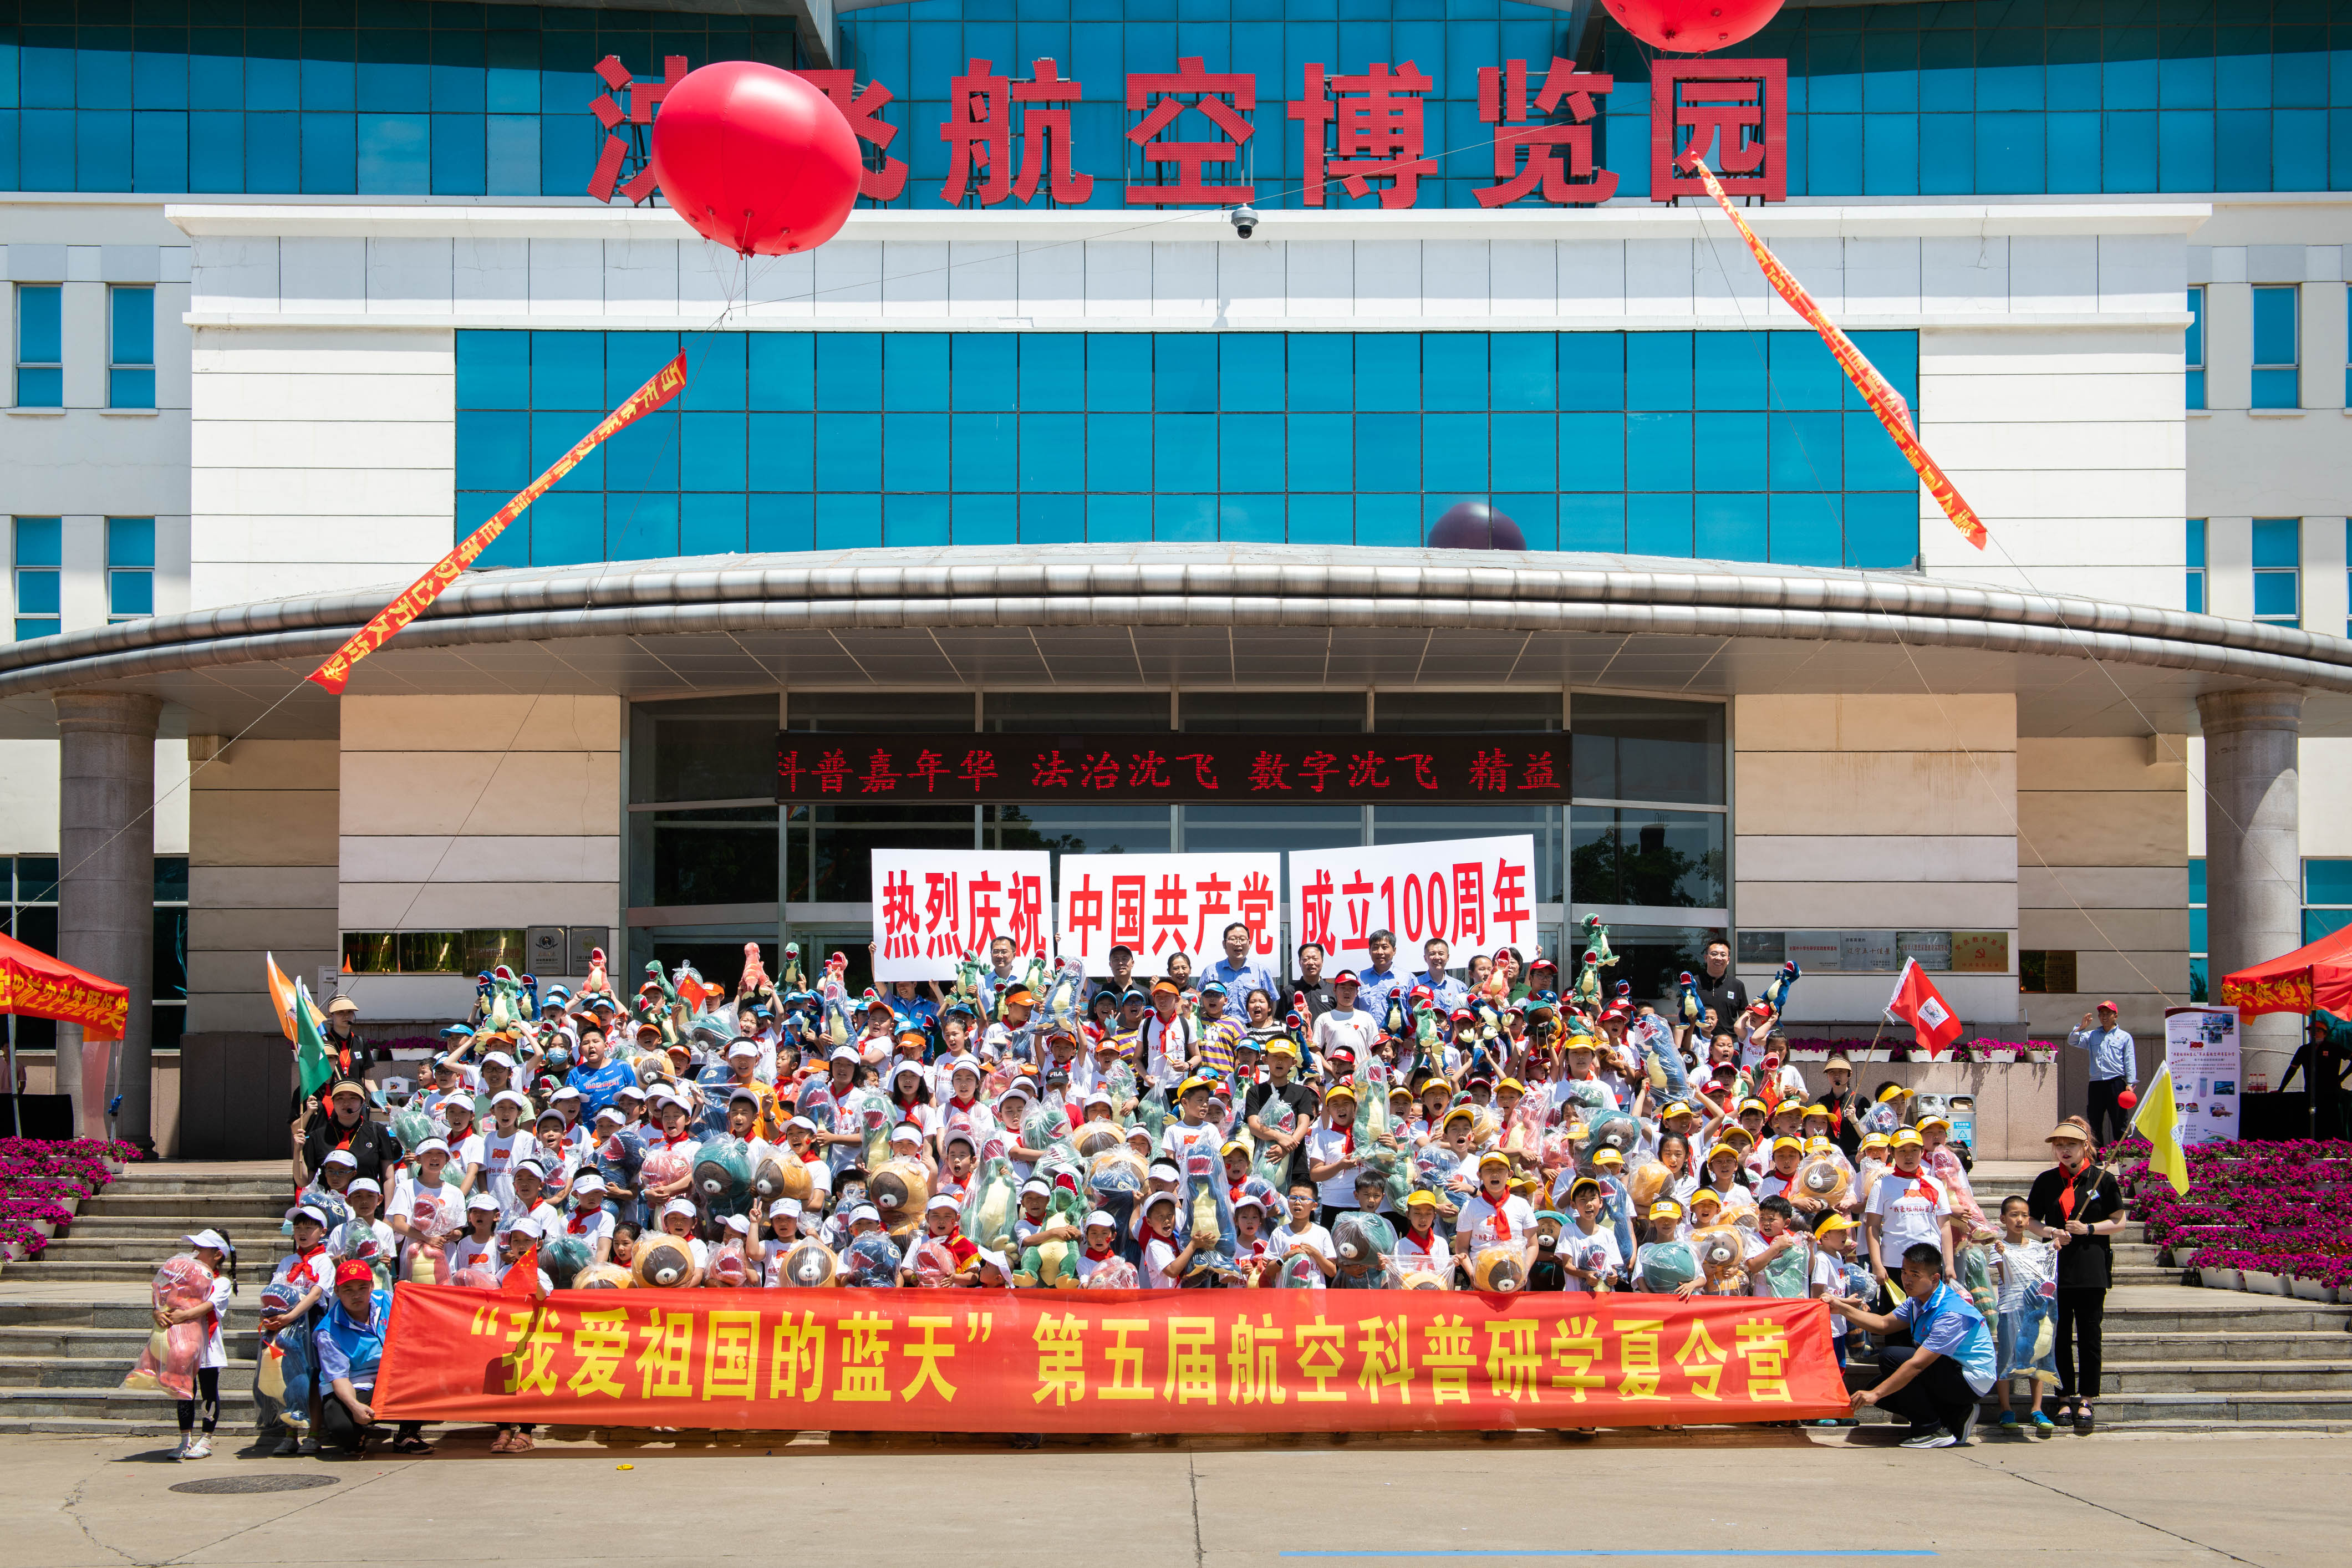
784, 1206
505, 1094
634, 1091
739, 1224
997, 1259
866, 1211
1019, 1089
612, 1111
1249, 1201
523, 1224
429, 1145
341, 1157
499, 1059
1099, 1097
743, 1046
844, 1054
566, 1092
1163, 1172
912, 1133
533, 1166
1156, 1199
942, 1201
211, 1238
480, 1201
1034, 1185
678, 1205
801, 1121
588, 1181
1100, 1217
366, 1184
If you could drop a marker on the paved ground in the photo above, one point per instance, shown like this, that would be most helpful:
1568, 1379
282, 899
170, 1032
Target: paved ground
2113, 1501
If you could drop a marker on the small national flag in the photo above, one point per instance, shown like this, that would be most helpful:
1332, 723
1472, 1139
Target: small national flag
312, 1062
2159, 1122
522, 1276
1918, 1004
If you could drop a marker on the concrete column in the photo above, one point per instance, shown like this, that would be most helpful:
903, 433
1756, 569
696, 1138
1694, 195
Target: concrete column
106, 889
2253, 865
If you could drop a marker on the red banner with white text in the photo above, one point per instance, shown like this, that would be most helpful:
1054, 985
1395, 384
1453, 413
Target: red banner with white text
1103, 1360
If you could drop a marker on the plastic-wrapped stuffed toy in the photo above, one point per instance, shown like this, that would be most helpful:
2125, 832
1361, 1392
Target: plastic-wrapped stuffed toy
1649, 1179
1425, 1279
729, 1266
873, 1113
1095, 1138
666, 1262
781, 1173
1365, 1242
1822, 1178
1114, 1273
1115, 1170
604, 1277
722, 1175
1498, 1269
872, 1260
1044, 1125
1207, 1207
1722, 1256
169, 1360
1976, 1277
1662, 1267
989, 1205
475, 1279
1298, 1272
931, 1263
662, 1167
563, 1258
1607, 1130
900, 1189
809, 1264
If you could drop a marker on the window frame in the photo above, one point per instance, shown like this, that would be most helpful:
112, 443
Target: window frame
26, 293
129, 574
2194, 596
123, 375
2278, 384
2192, 351
52, 571
2272, 575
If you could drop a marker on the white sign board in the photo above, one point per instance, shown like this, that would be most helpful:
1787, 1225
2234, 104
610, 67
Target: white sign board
2200, 1047
1474, 894
1162, 905
933, 906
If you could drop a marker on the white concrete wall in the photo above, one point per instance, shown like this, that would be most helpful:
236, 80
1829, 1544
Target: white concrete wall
28, 797
461, 813
1877, 814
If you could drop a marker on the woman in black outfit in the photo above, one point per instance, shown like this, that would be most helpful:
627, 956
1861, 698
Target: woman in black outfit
2078, 1204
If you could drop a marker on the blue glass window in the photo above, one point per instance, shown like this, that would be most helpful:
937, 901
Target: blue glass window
2277, 379
130, 567
2278, 560
131, 337
2193, 348
40, 346
2196, 547
37, 552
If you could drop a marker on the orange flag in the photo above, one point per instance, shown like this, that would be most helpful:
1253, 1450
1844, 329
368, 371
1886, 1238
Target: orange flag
1876, 389
281, 995
386, 623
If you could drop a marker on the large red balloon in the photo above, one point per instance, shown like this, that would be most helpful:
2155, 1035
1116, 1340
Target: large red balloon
755, 158
1687, 27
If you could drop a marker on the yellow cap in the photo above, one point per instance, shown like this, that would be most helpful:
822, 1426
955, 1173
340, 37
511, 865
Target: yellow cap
1235, 1147
1721, 1149
1419, 1199
1677, 1109
1190, 1084
1746, 1138
1665, 1208
1780, 1143
1495, 1159
1510, 1083
1909, 1138
1943, 1121
1832, 1221
1817, 1111
1706, 1195
1892, 1091
1873, 1141
1607, 1157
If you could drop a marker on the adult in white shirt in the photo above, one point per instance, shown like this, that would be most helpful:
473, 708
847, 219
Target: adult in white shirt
1905, 1208
1301, 1233
1345, 1027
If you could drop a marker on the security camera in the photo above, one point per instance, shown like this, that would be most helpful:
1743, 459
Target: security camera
1243, 219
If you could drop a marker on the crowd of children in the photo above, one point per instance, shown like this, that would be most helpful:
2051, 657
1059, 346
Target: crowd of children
1038, 1130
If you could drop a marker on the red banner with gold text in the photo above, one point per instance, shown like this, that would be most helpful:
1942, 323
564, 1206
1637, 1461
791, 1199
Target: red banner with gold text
1102, 1360
386, 623
1876, 389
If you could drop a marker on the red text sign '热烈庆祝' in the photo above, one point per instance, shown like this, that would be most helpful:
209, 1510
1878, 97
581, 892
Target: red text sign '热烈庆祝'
1103, 1360
386, 623
1531, 769
1371, 134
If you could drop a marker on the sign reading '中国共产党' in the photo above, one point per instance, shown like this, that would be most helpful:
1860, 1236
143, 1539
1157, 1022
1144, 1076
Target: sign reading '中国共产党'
1175, 766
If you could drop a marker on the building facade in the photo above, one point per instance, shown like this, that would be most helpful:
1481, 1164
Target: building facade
301, 292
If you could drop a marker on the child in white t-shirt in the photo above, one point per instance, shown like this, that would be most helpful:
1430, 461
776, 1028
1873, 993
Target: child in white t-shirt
2024, 1278
1164, 1263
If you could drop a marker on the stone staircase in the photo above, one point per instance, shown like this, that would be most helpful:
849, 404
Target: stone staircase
74, 1321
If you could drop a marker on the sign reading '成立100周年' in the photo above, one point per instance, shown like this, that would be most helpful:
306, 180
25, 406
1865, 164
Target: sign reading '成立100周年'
1176, 767
1367, 131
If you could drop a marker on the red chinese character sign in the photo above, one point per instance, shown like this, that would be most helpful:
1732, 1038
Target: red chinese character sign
933, 906
1473, 893
989, 116
1359, 129
1195, 103
1550, 160
1103, 1360
1738, 107
1162, 905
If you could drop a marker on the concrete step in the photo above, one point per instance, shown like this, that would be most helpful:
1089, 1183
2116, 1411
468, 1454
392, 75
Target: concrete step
74, 1373
70, 1272
2231, 1376
105, 1405
150, 1247
124, 1343
2226, 1408
2318, 1344
138, 1181
170, 1208
50, 1316
2225, 1315
2122, 1274
237, 1227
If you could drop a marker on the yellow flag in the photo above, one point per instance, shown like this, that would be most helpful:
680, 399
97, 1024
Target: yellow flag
2160, 1123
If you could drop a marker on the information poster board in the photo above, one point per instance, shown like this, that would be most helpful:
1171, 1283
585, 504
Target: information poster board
1162, 905
2200, 1047
933, 906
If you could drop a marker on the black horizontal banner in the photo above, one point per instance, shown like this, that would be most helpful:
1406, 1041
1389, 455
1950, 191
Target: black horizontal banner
1172, 766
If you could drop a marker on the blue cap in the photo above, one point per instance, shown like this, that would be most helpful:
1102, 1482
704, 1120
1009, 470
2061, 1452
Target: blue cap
1216, 986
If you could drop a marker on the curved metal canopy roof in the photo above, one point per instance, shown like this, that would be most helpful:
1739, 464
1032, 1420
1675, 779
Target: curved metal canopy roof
1152, 616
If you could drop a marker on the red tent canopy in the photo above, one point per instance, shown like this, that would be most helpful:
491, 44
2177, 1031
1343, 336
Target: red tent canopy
2317, 975
35, 985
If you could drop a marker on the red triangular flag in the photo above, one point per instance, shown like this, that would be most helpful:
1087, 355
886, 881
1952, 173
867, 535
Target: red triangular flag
522, 1278
1918, 1004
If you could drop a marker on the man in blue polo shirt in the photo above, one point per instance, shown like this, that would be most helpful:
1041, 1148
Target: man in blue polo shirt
1380, 976
1935, 1380
1448, 992
1240, 975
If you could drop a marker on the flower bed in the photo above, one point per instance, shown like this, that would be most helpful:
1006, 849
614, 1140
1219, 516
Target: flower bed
2253, 1211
